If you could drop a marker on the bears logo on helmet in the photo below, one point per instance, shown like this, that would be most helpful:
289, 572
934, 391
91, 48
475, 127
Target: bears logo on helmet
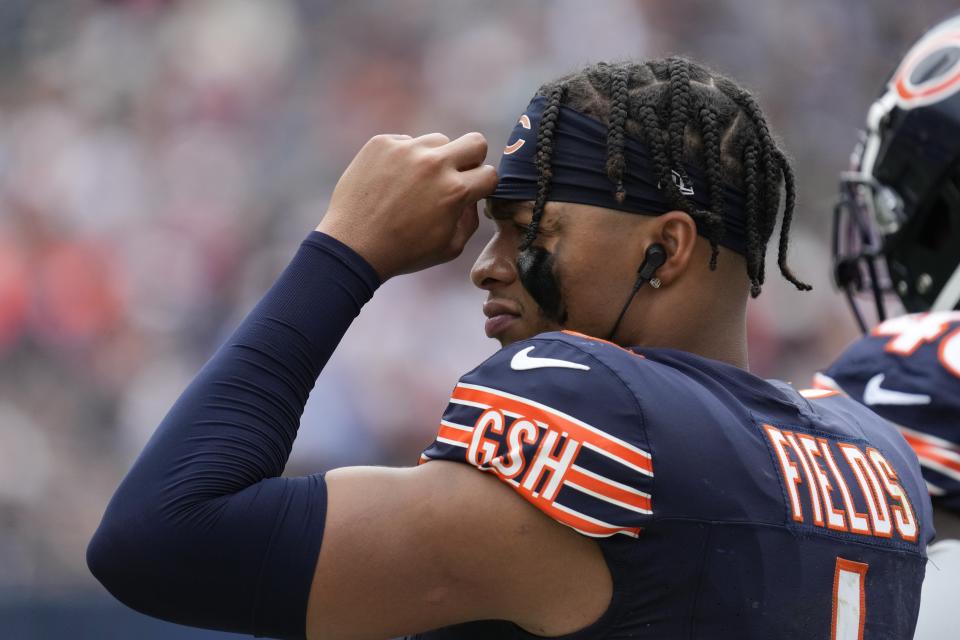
897, 222
930, 71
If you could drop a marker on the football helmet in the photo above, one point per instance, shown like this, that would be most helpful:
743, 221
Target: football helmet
896, 226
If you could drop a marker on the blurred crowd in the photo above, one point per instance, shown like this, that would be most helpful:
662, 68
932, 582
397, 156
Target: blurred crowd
160, 161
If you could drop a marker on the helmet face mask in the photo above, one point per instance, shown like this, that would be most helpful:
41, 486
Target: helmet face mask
859, 267
896, 231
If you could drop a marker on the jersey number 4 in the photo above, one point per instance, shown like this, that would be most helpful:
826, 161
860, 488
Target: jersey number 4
907, 333
849, 600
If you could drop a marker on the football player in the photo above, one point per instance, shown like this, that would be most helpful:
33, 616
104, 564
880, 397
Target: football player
897, 240
613, 471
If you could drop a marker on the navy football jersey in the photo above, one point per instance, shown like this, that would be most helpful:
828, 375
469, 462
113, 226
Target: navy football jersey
908, 371
725, 506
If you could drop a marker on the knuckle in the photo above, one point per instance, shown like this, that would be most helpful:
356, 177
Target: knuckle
429, 160
459, 189
381, 144
492, 176
388, 141
478, 139
378, 140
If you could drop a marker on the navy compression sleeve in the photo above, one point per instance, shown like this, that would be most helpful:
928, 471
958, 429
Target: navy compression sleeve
203, 531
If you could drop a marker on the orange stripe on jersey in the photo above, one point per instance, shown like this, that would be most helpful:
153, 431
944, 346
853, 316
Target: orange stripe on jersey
926, 438
565, 515
608, 490
450, 434
823, 381
580, 522
941, 458
949, 353
610, 446
612, 344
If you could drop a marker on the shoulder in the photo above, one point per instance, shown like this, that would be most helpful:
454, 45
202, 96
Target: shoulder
922, 341
572, 375
552, 418
576, 365
562, 371
579, 351
907, 370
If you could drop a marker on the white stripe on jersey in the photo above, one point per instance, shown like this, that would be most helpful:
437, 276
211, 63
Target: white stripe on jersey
599, 432
453, 443
454, 425
589, 492
614, 483
593, 520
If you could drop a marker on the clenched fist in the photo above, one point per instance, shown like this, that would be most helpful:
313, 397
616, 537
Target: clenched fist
406, 204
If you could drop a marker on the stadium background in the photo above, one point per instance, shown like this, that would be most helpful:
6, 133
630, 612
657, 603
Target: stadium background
160, 161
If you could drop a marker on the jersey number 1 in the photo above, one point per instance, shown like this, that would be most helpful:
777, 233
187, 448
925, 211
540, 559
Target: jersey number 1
849, 600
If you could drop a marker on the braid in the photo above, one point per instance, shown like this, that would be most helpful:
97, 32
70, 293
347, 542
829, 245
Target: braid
775, 165
687, 115
654, 135
754, 245
548, 124
714, 162
679, 70
616, 132
788, 208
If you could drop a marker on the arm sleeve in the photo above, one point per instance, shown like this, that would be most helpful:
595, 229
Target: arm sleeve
552, 418
203, 531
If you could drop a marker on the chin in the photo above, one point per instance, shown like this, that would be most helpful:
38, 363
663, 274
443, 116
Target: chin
518, 333
506, 341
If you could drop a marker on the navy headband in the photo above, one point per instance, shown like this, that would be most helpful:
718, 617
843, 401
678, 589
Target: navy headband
579, 163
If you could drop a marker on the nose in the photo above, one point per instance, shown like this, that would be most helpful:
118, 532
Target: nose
496, 266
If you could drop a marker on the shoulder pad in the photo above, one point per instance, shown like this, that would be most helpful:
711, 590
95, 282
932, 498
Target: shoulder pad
554, 421
907, 370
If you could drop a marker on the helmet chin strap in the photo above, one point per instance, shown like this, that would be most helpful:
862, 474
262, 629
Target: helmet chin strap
655, 257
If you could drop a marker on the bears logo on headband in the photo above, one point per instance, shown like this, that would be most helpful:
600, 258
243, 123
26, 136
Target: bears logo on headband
515, 146
579, 166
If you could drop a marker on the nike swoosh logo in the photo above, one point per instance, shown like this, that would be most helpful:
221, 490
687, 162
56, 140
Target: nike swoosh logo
874, 394
523, 361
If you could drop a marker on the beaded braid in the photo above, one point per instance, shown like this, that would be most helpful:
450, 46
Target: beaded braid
714, 124
548, 125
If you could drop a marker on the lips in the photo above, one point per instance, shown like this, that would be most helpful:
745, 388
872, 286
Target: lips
493, 308
500, 315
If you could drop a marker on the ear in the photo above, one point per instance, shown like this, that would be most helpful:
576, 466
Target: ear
677, 232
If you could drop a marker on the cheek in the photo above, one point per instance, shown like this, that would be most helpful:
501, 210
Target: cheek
537, 271
594, 292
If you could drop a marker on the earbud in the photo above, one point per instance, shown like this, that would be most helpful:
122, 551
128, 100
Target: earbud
655, 257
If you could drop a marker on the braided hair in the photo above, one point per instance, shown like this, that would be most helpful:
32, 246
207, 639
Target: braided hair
685, 113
